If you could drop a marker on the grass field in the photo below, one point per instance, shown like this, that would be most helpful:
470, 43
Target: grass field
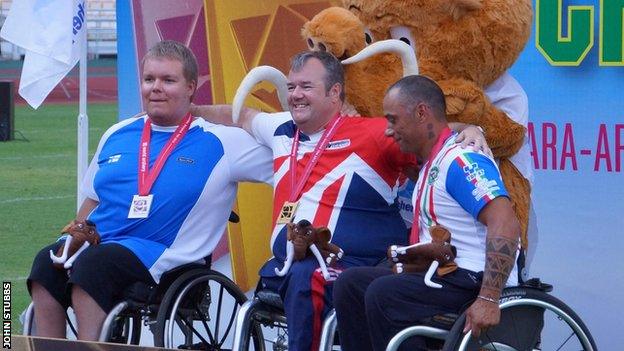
38, 186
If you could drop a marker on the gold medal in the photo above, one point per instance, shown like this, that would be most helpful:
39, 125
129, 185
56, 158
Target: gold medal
287, 213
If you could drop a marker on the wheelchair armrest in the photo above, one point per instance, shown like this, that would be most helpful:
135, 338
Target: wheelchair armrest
536, 283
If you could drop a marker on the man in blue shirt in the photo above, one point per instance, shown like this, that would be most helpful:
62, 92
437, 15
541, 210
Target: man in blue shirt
159, 190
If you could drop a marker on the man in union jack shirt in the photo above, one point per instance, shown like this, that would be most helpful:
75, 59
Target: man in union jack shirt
346, 177
351, 188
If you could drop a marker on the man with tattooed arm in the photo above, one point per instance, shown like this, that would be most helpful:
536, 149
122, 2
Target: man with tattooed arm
459, 189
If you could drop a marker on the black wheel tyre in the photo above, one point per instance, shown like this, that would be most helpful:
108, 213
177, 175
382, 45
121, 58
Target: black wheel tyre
529, 305
194, 285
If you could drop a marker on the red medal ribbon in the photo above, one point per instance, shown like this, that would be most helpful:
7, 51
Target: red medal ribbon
295, 191
446, 133
147, 177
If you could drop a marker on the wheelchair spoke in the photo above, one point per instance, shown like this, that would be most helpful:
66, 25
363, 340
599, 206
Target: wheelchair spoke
230, 323
565, 341
216, 339
220, 305
218, 319
189, 325
71, 325
203, 318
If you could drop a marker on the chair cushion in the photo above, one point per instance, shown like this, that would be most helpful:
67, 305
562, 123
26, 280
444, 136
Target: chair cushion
270, 298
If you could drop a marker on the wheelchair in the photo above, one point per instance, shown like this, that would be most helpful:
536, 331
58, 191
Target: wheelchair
193, 307
266, 310
531, 319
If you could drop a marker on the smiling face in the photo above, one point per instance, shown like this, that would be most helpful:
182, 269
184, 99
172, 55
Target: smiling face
166, 93
312, 106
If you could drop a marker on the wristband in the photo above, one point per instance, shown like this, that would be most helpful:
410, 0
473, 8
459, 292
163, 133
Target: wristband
489, 299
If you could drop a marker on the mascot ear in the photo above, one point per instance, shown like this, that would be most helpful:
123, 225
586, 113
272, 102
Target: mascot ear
439, 234
459, 8
323, 234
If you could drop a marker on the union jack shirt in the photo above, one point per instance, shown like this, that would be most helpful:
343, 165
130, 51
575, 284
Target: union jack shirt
352, 189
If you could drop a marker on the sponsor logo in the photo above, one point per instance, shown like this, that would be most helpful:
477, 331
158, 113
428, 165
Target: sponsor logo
114, 158
405, 206
509, 298
433, 175
186, 160
78, 20
484, 187
473, 171
338, 144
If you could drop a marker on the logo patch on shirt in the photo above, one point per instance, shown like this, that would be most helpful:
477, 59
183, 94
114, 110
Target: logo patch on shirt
114, 158
484, 187
433, 175
338, 144
186, 160
473, 171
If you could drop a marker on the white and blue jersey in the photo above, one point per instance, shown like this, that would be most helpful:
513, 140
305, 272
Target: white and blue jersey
192, 196
508, 96
460, 183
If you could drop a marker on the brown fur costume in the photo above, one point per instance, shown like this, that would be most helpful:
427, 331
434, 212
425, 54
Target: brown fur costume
462, 44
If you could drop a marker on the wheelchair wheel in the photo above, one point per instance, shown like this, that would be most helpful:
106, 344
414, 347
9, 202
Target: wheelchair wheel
198, 312
30, 327
530, 320
122, 326
254, 320
126, 330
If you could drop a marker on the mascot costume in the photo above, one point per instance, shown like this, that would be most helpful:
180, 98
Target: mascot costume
466, 46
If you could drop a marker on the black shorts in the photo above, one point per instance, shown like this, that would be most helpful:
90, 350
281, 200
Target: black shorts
104, 271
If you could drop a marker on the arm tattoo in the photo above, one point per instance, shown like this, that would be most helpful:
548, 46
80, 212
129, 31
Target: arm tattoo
499, 260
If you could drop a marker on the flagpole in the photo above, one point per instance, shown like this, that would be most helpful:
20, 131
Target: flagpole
83, 121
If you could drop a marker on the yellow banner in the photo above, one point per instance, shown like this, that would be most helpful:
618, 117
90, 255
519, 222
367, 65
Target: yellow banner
241, 35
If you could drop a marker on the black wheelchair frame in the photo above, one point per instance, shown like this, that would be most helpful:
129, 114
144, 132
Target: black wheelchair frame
189, 301
522, 325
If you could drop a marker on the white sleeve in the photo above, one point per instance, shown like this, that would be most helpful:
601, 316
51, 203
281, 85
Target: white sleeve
248, 160
264, 124
508, 96
86, 186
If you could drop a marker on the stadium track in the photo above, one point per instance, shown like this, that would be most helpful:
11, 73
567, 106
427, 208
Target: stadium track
101, 82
